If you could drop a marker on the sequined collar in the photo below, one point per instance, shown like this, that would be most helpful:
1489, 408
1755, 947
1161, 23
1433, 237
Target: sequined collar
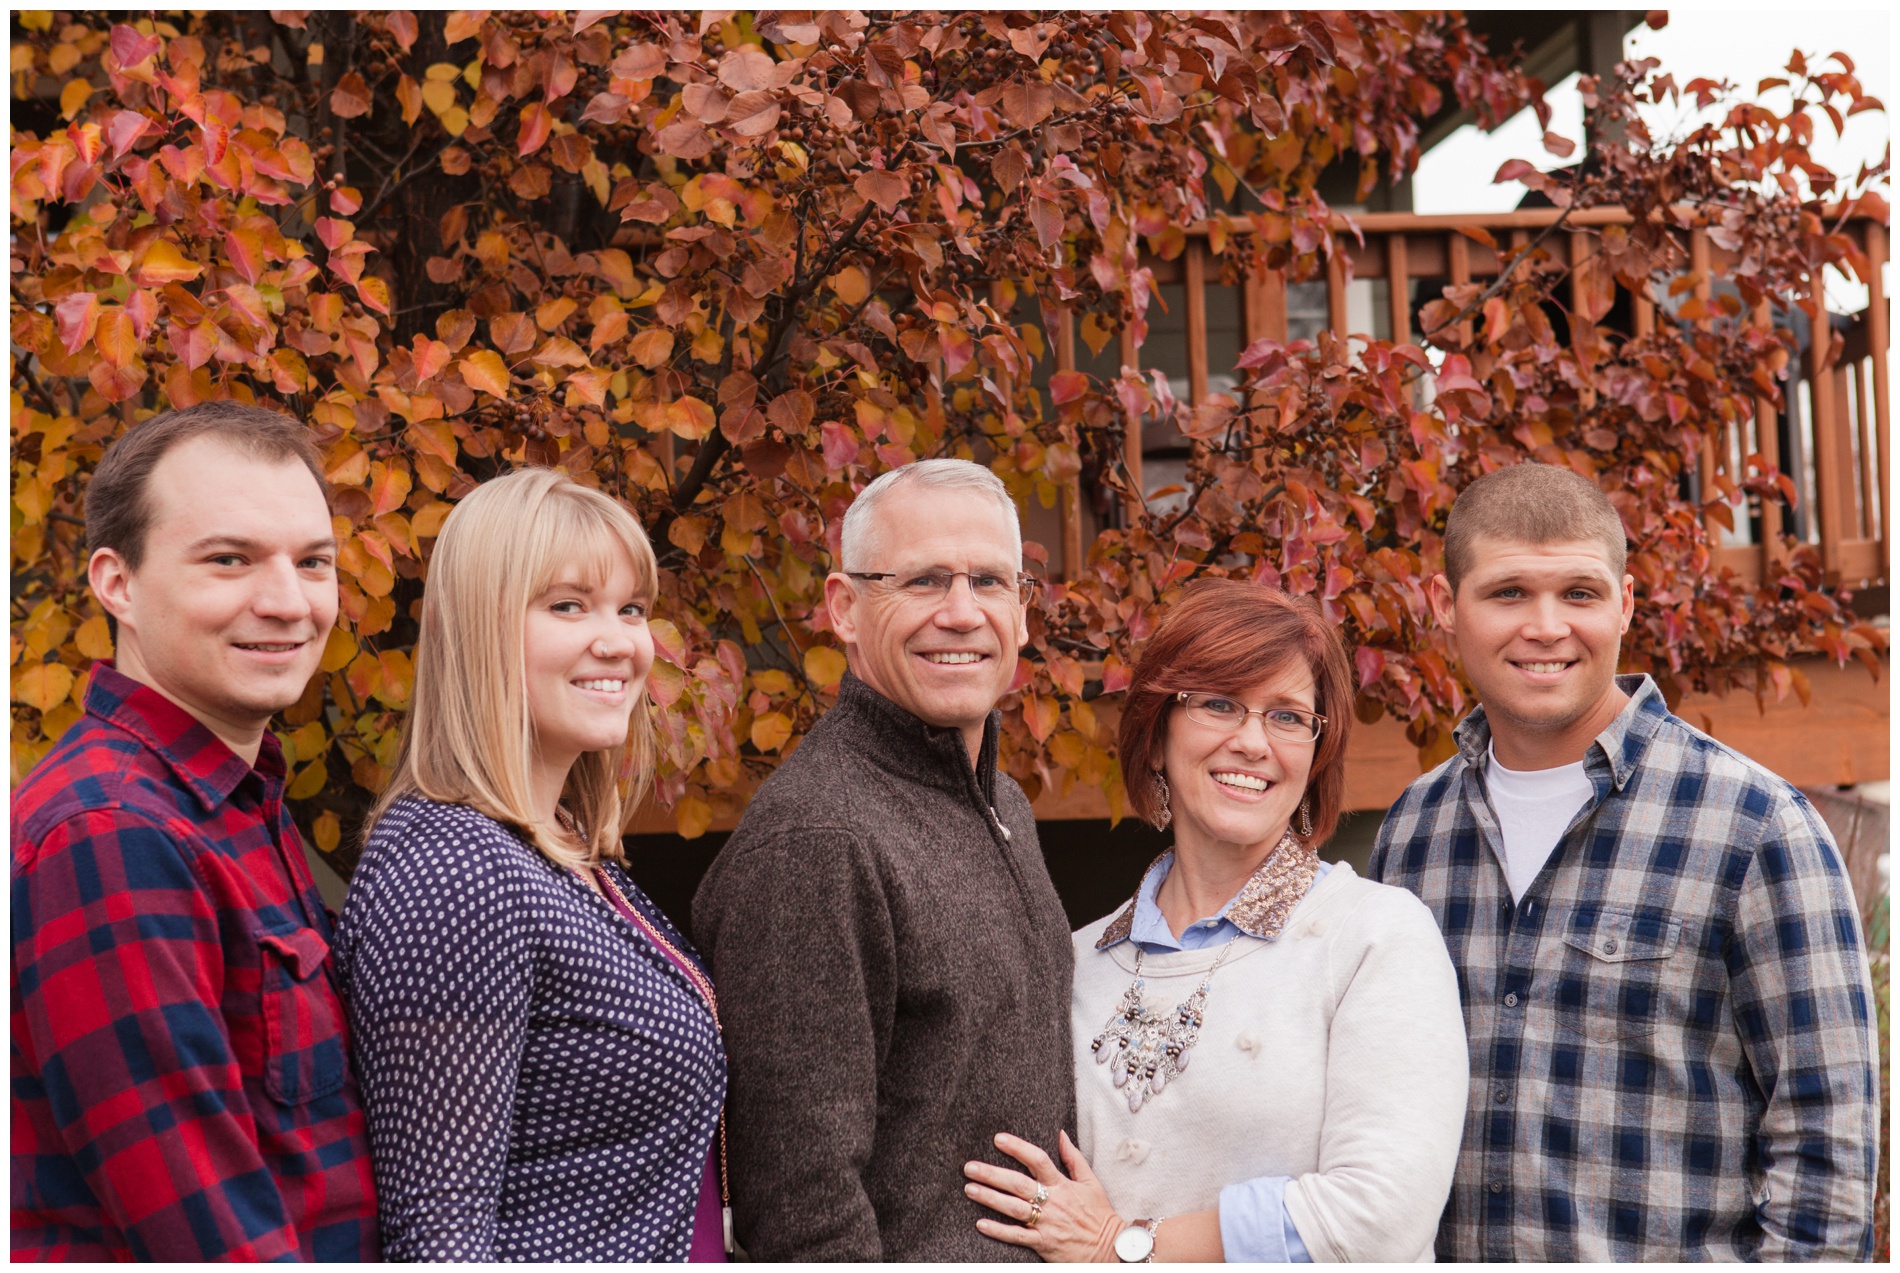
1264, 902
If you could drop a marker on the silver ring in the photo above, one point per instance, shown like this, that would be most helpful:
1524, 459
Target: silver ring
1042, 1195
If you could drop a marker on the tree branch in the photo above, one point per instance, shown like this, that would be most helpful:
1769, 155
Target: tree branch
714, 448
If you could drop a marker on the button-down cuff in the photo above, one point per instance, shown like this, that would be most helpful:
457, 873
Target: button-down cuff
1255, 1226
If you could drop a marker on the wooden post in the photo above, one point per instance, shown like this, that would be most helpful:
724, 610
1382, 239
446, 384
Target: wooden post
1398, 290
1336, 318
1877, 337
1131, 428
1827, 438
1579, 293
1699, 264
1070, 500
1266, 305
1194, 282
1768, 446
1458, 265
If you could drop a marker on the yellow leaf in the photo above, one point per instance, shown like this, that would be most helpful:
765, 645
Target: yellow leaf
485, 370
74, 96
55, 723
429, 518
94, 638
304, 742
851, 285
438, 95
163, 264
736, 542
824, 665
338, 651
454, 121
43, 686
35, 19
770, 731
309, 781
442, 71
328, 831
692, 815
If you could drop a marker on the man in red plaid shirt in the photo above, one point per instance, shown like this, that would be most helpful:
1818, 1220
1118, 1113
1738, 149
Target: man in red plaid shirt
181, 1080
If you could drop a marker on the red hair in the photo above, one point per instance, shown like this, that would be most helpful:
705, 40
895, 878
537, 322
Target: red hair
1226, 636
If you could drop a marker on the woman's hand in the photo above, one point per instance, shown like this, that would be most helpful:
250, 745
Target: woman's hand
1074, 1223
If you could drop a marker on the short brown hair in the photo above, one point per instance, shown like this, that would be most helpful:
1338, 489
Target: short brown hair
1225, 637
118, 513
1530, 503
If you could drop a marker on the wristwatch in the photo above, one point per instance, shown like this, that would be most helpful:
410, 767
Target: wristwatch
1136, 1243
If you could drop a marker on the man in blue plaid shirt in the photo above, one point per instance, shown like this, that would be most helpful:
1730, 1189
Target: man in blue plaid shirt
1673, 1050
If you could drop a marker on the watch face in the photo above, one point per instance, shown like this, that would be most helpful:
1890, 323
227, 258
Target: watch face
1133, 1244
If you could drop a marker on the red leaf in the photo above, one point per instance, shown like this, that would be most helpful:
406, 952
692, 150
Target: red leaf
1511, 170
536, 123
131, 48
402, 25
584, 18
351, 97
1046, 216
1067, 386
77, 315
885, 189
124, 130
840, 445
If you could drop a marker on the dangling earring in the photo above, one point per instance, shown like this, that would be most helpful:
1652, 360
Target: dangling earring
1163, 815
1306, 816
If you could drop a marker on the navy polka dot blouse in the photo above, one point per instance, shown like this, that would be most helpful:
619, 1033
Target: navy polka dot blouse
542, 1083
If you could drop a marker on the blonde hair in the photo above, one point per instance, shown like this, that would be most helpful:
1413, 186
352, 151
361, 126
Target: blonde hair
469, 739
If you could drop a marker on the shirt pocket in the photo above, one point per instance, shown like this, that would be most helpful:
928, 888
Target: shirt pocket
303, 1018
1611, 987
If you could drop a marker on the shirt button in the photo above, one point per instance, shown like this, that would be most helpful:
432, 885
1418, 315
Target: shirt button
1609, 947
1510, 1000
1496, 1186
1502, 1096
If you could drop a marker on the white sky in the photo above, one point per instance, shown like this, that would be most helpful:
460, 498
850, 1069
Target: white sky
1743, 47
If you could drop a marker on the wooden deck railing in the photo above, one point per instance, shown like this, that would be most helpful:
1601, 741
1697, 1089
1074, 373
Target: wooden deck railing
1831, 435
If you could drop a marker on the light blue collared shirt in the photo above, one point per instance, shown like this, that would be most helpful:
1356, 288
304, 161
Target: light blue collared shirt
1254, 1224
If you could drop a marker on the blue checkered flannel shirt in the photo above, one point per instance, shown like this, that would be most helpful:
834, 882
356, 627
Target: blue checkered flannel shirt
1673, 1046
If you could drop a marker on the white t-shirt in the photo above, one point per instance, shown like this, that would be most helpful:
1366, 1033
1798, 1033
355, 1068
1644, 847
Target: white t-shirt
1534, 808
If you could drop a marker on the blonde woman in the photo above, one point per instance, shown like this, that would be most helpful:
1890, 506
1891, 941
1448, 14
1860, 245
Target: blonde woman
539, 1047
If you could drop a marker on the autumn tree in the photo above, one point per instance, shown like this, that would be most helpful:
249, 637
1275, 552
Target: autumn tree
730, 266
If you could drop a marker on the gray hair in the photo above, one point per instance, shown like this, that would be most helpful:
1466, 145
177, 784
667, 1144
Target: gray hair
858, 541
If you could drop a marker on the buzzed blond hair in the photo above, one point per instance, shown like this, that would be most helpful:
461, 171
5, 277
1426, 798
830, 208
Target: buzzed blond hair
1530, 503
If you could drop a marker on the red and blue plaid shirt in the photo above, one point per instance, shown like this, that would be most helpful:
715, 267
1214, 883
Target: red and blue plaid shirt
181, 1082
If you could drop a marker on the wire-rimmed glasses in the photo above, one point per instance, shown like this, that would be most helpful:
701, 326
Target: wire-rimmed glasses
988, 587
1219, 711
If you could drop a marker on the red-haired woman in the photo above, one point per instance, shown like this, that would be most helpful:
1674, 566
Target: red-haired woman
1320, 1116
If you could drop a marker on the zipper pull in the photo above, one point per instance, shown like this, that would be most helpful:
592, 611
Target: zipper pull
725, 1214
999, 824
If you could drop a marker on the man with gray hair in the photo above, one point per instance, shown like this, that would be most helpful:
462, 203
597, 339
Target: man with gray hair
893, 963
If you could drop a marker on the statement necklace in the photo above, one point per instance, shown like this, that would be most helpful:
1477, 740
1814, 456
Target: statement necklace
1146, 1050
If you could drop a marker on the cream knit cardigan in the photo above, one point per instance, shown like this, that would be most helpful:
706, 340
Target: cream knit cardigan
1334, 1055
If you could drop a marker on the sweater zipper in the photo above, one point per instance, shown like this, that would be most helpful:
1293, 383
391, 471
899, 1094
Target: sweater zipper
705, 988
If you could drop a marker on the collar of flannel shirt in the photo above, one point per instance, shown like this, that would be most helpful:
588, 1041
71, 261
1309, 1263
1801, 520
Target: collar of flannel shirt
198, 758
1618, 748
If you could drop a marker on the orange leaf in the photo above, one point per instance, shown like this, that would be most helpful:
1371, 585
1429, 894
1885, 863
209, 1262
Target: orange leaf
484, 370
388, 489
115, 339
651, 347
164, 263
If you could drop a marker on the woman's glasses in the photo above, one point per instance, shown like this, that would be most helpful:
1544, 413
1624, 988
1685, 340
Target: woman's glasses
1217, 711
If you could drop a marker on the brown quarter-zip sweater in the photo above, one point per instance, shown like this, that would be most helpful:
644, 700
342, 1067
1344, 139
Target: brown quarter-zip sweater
893, 969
